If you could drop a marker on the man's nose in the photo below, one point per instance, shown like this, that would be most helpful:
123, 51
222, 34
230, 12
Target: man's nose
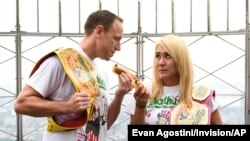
118, 47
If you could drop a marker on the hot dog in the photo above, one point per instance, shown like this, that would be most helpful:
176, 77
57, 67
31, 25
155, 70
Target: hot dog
136, 83
119, 69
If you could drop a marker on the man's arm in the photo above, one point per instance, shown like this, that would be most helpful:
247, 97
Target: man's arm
124, 87
141, 95
114, 108
30, 102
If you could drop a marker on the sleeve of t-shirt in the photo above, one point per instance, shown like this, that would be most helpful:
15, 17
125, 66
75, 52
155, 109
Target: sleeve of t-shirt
47, 78
214, 104
130, 105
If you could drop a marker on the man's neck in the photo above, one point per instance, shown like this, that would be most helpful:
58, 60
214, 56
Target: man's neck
87, 45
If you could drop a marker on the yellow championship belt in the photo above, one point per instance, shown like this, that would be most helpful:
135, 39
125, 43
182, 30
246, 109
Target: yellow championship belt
200, 111
83, 76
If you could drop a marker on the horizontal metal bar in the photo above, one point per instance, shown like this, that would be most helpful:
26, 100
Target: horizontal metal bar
236, 32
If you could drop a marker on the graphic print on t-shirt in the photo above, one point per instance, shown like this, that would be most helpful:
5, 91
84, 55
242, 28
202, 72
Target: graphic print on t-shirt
99, 117
159, 112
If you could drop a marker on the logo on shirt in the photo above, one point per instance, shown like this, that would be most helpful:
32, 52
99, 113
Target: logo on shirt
163, 117
101, 82
166, 102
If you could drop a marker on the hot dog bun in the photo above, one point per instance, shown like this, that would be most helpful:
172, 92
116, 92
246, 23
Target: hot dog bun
119, 69
136, 83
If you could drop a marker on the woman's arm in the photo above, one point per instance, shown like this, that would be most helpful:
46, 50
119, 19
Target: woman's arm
139, 116
215, 117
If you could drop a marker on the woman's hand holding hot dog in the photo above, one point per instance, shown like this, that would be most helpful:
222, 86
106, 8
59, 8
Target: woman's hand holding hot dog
141, 96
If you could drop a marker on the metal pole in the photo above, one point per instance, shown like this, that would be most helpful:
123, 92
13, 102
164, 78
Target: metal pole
139, 45
208, 16
173, 16
247, 69
100, 4
18, 70
118, 7
37, 14
60, 17
227, 15
156, 16
138, 39
191, 15
79, 16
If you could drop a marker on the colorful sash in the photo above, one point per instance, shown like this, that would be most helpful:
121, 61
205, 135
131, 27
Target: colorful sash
83, 76
199, 113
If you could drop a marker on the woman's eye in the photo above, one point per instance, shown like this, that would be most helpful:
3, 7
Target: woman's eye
166, 55
157, 56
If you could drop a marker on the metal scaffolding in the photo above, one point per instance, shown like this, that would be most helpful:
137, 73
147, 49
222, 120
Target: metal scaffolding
138, 35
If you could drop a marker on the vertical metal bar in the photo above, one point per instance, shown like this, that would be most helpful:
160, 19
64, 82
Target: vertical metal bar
140, 54
60, 18
118, 7
37, 16
173, 16
228, 15
18, 71
208, 16
100, 4
191, 15
139, 17
247, 68
139, 59
138, 38
79, 16
156, 16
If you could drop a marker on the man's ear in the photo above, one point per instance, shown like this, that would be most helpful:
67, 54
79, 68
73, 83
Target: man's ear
99, 29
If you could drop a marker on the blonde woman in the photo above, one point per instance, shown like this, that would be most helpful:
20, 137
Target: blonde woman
173, 98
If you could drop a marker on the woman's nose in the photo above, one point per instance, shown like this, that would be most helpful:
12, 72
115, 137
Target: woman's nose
162, 60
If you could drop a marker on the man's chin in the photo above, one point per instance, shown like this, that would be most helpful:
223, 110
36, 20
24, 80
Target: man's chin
106, 59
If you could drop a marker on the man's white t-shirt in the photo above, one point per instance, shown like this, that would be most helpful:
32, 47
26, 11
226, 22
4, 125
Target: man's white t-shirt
52, 83
159, 114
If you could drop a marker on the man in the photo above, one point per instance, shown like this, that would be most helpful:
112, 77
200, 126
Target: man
63, 86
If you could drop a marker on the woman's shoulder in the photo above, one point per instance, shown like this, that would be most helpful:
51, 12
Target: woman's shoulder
201, 92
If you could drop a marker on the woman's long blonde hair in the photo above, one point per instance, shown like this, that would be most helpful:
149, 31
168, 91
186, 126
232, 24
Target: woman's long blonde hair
178, 50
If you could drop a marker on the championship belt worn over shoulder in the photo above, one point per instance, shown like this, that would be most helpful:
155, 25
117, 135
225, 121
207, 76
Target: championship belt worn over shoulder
83, 76
200, 111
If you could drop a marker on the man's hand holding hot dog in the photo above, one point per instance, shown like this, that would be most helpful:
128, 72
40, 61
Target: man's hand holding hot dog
134, 80
141, 93
124, 87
